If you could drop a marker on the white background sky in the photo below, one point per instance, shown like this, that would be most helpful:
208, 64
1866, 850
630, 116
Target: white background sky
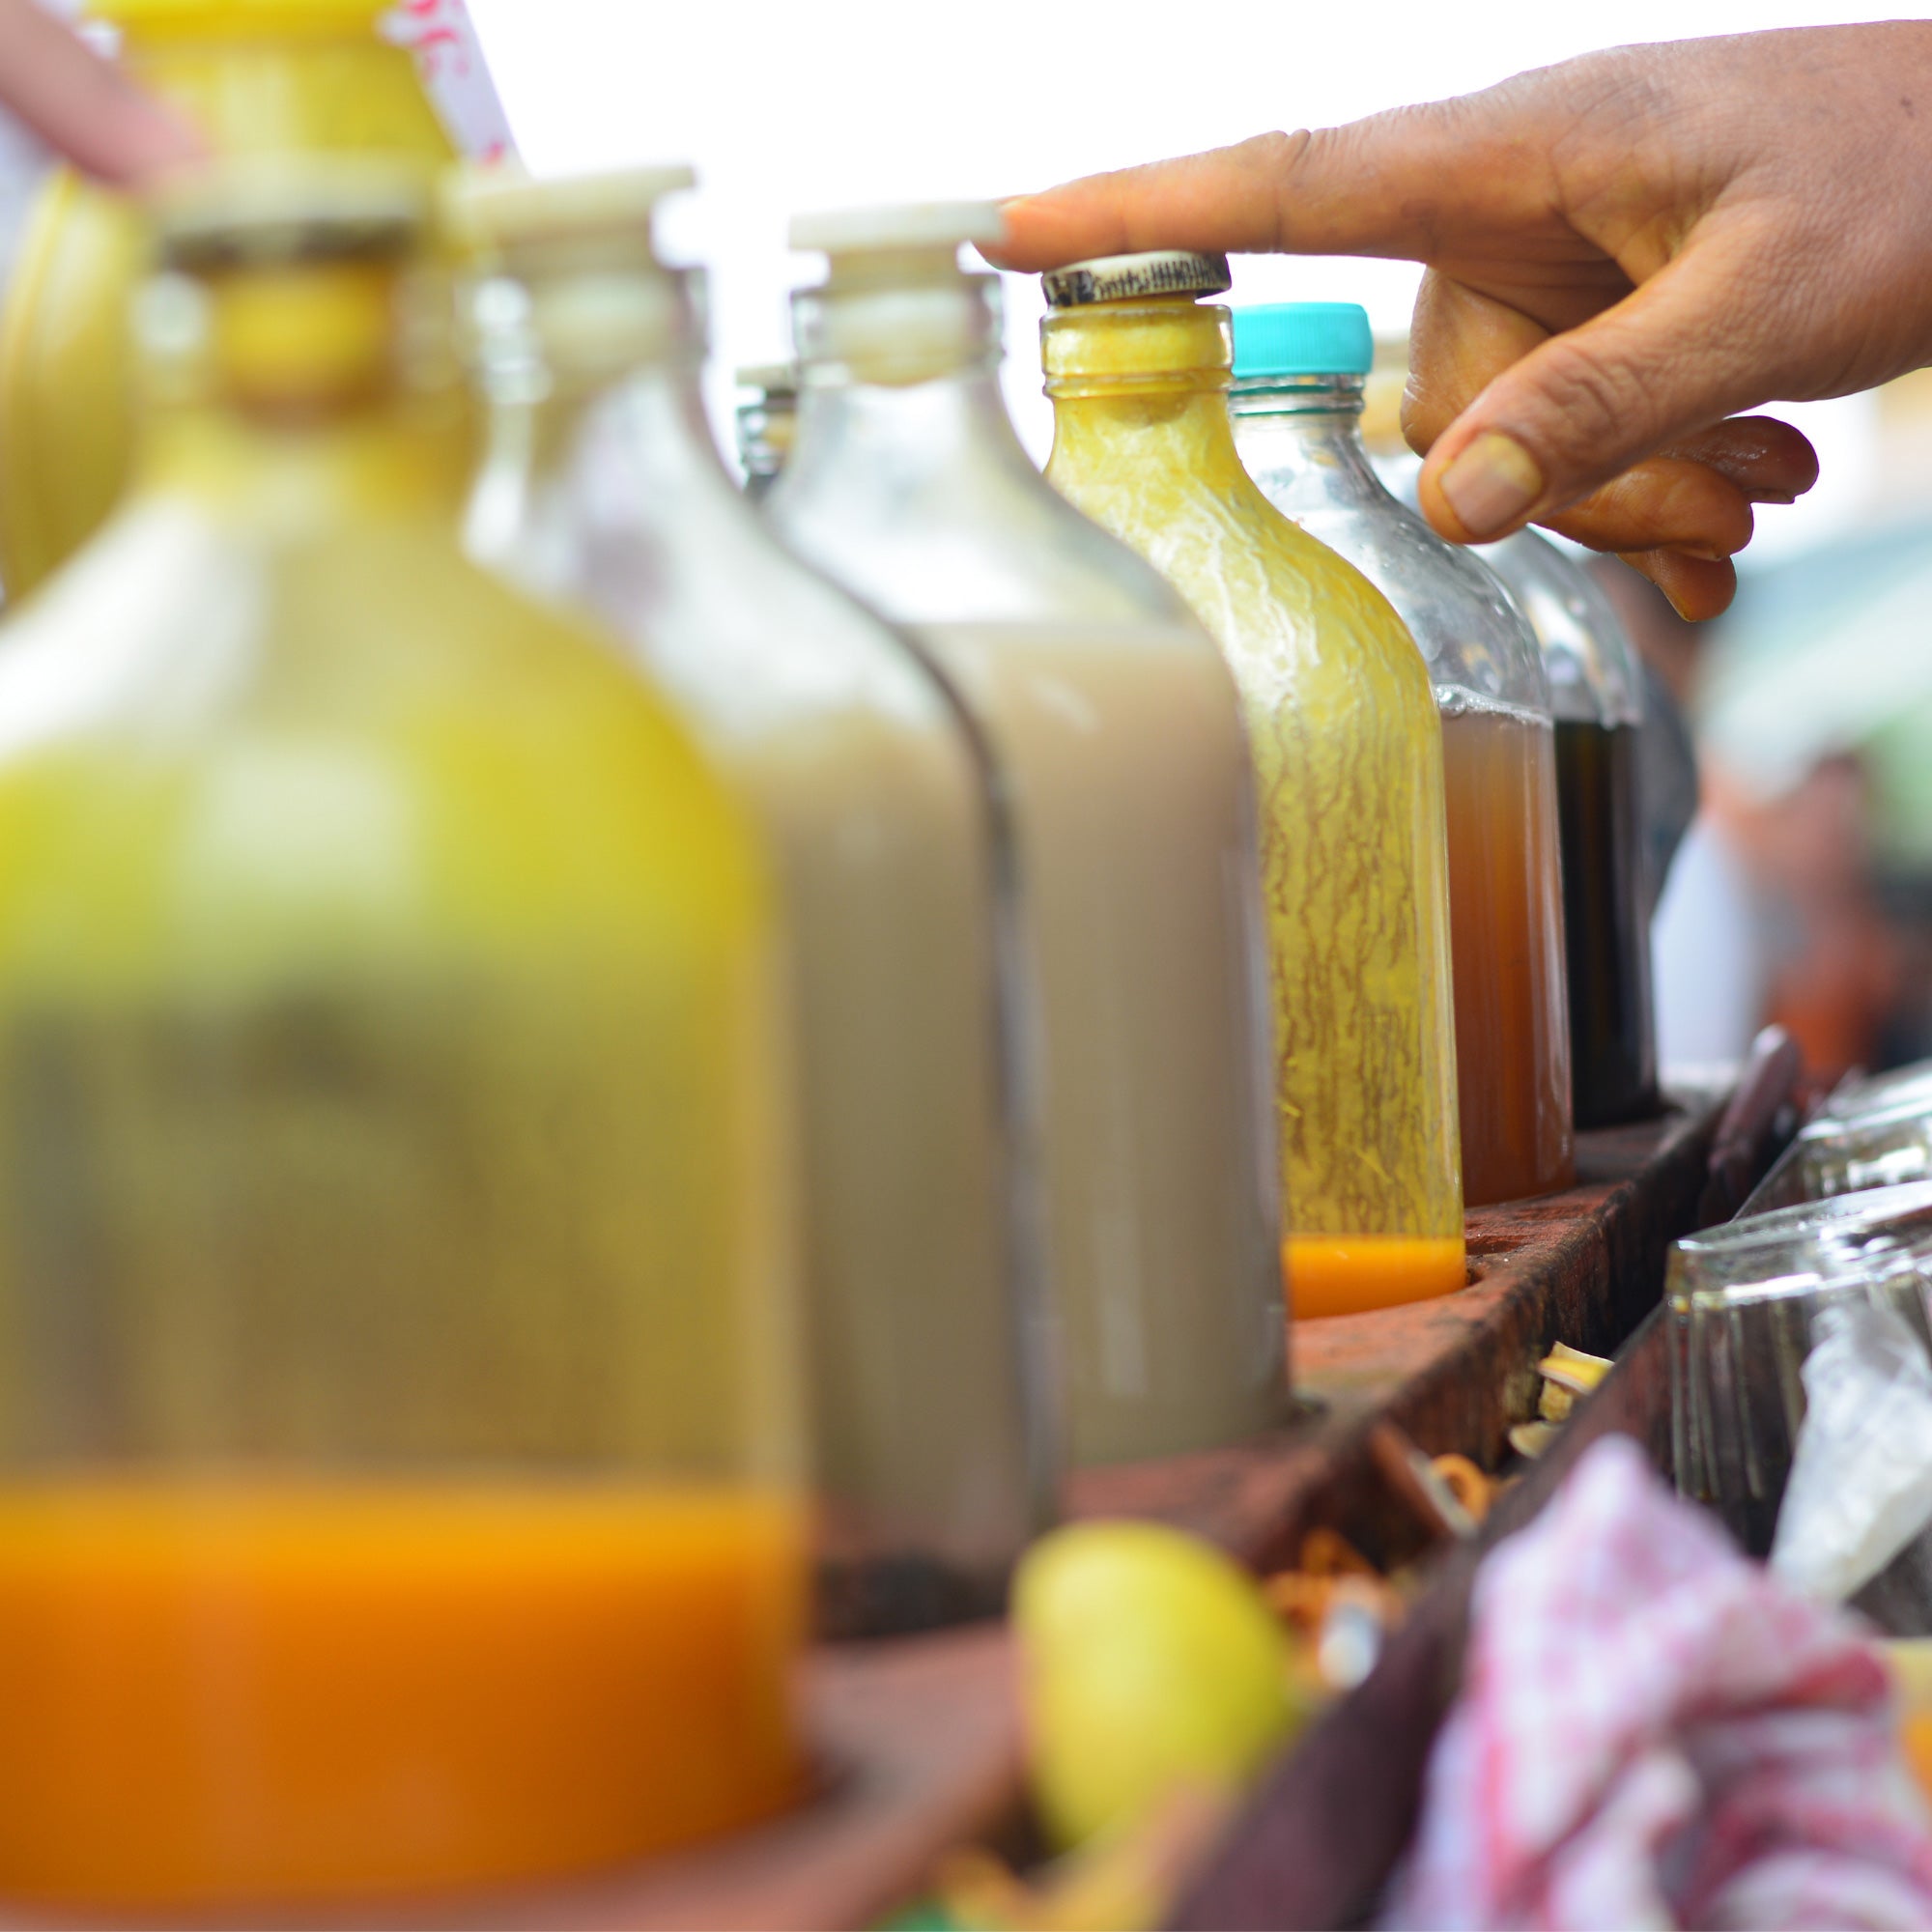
786, 107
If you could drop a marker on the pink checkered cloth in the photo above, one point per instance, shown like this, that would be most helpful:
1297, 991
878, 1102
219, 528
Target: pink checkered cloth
1652, 1732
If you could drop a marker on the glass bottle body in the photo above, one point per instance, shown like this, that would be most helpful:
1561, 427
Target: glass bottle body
1347, 751
321, 79
1597, 694
396, 1280
1115, 741
1300, 441
935, 1423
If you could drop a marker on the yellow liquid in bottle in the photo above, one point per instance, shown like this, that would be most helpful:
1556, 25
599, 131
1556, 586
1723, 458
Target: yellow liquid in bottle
297, 75
397, 1250
1347, 752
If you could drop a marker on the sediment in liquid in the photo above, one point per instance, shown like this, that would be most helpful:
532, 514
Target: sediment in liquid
1612, 1036
1511, 1023
1121, 748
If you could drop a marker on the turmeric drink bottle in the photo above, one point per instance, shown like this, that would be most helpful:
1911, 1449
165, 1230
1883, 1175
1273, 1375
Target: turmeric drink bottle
1347, 757
935, 1446
1297, 398
1596, 690
255, 78
396, 1435
1116, 742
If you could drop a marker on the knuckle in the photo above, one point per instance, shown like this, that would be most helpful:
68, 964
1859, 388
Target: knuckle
1279, 151
1592, 404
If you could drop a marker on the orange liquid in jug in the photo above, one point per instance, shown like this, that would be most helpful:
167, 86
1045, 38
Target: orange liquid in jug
266, 1691
1506, 937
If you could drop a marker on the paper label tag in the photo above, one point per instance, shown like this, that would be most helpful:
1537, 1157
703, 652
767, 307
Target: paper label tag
450, 58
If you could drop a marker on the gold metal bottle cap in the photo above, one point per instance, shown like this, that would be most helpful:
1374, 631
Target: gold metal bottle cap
1162, 271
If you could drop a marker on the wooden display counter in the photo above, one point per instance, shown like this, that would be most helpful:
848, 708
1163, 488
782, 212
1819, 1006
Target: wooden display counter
920, 1735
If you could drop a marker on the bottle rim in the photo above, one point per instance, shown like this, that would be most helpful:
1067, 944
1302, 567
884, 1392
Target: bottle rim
896, 228
502, 206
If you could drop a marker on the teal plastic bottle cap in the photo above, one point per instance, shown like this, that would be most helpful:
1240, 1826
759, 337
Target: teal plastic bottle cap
1303, 339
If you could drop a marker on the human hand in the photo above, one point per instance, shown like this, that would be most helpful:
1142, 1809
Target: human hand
1623, 250
83, 105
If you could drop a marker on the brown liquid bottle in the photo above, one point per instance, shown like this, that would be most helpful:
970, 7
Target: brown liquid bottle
1596, 694
1298, 399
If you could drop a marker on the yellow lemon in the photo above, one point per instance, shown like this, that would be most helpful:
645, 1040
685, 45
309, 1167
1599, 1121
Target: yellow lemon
1150, 1661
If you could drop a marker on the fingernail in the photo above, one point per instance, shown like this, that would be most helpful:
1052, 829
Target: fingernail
1492, 483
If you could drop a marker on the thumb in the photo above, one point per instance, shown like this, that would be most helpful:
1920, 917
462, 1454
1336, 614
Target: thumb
1668, 360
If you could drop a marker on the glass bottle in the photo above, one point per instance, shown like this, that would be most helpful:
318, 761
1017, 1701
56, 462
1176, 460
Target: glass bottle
604, 484
256, 78
1116, 738
1596, 690
1610, 823
1346, 749
767, 423
398, 1478
1297, 405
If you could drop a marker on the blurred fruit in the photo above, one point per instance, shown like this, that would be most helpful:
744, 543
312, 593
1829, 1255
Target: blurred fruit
1150, 1662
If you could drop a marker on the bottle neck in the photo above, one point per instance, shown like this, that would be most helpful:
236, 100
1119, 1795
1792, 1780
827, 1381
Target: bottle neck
1142, 385
551, 343
1304, 432
326, 384
903, 377
556, 350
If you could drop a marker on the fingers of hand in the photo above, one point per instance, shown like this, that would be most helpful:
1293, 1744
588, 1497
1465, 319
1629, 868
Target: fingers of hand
1224, 199
1694, 495
1698, 588
1459, 341
1387, 185
1580, 408
81, 106
1768, 460
1665, 502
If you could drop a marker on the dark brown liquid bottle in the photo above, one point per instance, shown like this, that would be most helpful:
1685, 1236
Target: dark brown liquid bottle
1612, 1040
1596, 694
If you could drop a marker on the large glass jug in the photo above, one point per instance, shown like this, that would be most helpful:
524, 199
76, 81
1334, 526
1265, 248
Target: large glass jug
603, 484
1117, 739
257, 77
397, 1430
1596, 688
1297, 405
1348, 756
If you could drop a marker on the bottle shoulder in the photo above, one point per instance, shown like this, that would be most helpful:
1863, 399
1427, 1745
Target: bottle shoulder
1268, 592
1463, 621
1587, 655
182, 693
746, 637
944, 519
